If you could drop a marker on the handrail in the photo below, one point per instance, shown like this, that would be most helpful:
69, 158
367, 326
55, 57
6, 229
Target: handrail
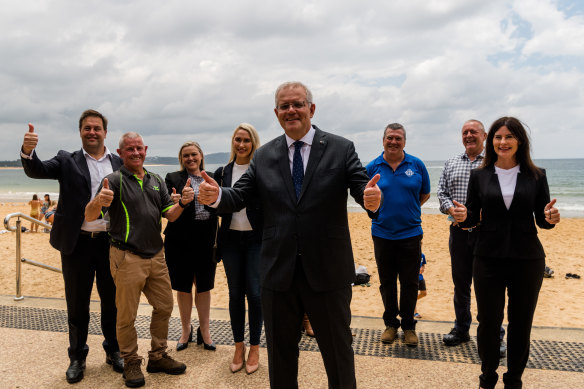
19, 258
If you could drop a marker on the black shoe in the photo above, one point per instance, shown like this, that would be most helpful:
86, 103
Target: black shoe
502, 349
455, 337
115, 360
75, 371
210, 347
181, 346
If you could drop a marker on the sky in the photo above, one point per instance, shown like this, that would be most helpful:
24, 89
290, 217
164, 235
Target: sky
191, 70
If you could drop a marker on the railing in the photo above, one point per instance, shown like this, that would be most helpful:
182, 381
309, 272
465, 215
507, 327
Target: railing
19, 259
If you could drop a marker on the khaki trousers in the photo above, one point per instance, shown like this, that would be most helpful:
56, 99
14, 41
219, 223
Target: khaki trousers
133, 275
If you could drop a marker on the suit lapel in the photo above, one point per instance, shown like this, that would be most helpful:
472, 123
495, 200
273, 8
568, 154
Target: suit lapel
494, 183
81, 163
316, 150
519, 186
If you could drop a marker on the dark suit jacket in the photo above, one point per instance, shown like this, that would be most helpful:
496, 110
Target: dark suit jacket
74, 192
181, 225
316, 226
223, 176
506, 233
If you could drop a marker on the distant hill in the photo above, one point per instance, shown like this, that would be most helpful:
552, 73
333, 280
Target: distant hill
215, 158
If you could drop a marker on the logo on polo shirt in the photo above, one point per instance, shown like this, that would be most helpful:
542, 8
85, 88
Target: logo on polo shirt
155, 188
409, 173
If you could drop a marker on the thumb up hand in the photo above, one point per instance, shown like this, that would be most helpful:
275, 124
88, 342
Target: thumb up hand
31, 140
459, 211
105, 195
175, 197
208, 190
188, 194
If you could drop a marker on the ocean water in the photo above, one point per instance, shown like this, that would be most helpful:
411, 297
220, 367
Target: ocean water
565, 179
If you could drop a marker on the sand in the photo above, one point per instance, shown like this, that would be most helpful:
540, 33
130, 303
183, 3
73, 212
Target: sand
560, 300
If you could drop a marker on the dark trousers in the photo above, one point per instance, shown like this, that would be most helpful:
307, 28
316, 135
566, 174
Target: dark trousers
241, 259
88, 261
330, 316
461, 244
521, 279
398, 258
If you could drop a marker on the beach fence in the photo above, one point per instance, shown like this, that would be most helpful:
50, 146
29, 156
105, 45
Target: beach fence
19, 259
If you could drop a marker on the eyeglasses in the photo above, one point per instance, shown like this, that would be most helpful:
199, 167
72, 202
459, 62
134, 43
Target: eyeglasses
296, 105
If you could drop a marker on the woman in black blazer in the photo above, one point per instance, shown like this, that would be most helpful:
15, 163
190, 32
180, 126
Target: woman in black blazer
504, 197
240, 239
188, 246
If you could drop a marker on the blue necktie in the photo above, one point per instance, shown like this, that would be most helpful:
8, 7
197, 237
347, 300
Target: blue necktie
297, 168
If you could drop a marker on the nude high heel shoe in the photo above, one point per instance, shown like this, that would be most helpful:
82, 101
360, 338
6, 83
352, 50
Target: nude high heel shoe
235, 367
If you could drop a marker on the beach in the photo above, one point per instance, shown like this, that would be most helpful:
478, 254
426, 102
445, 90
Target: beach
559, 300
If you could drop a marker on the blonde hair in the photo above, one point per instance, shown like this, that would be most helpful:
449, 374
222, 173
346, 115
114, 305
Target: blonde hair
196, 145
253, 134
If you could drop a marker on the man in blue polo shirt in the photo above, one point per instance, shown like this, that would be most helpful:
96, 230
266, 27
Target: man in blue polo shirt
397, 231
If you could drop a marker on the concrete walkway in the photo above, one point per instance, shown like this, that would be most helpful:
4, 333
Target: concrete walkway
33, 358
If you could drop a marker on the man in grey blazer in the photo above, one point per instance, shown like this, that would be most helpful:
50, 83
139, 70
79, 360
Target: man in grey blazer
301, 180
84, 246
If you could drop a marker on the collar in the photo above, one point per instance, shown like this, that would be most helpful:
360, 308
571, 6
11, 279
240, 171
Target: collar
307, 138
478, 158
106, 154
128, 173
381, 161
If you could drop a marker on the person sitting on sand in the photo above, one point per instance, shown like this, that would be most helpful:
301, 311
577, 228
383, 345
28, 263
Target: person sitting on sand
35, 211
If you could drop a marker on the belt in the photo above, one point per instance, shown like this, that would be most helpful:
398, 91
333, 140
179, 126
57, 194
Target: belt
93, 234
464, 229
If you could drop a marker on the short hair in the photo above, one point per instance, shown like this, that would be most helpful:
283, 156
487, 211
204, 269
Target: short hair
523, 154
253, 134
293, 84
482, 127
128, 135
91, 112
198, 147
394, 126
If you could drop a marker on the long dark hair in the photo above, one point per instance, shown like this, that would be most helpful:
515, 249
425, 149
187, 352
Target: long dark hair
523, 155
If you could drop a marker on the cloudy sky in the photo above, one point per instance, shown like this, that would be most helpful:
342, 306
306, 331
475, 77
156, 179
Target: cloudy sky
181, 70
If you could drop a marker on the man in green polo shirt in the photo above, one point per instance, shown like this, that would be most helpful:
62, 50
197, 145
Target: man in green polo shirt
135, 200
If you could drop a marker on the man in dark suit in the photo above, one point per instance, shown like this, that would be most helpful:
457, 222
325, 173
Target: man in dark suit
301, 180
84, 246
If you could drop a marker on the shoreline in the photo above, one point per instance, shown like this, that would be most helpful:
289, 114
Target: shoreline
558, 300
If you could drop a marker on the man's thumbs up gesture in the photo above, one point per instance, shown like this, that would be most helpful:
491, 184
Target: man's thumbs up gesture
208, 190
105, 195
372, 194
31, 139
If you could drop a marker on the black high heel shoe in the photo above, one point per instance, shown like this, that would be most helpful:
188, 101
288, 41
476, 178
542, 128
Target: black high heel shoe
210, 347
181, 346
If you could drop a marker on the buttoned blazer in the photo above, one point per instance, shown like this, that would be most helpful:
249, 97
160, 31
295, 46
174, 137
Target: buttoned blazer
71, 170
253, 211
181, 225
313, 228
502, 232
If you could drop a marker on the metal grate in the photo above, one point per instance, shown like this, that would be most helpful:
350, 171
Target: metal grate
546, 355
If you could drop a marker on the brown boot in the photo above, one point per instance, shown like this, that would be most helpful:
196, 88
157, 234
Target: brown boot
389, 334
410, 338
165, 365
307, 326
133, 373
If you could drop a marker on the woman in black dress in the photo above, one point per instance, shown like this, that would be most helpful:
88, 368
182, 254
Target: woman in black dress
188, 246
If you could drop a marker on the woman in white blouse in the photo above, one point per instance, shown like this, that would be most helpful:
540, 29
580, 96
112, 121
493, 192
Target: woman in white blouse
507, 196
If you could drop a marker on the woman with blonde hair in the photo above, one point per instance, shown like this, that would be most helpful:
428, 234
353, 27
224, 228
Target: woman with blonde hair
240, 238
35, 211
188, 246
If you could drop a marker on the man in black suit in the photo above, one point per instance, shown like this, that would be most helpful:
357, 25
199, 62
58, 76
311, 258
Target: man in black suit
84, 246
301, 180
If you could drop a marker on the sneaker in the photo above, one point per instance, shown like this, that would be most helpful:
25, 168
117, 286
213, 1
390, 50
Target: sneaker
417, 316
133, 373
389, 335
165, 365
410, 338
455, 337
